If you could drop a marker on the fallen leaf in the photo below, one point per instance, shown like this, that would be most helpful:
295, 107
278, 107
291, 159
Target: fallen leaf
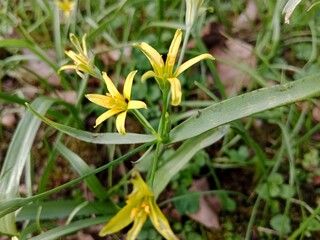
231, 63
41, 68
8, 119
67, 96
316, 113
207, 214
246, 19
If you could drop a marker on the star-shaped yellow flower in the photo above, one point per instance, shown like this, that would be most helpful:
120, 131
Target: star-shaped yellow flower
140, 205
117, 103
163, 71
66, 6
82, 61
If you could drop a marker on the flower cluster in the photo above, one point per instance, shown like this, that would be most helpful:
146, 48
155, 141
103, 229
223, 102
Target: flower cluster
141, 203
164, 73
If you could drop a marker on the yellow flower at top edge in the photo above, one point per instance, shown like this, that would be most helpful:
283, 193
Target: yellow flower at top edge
66, 6
164, 72
117, 103
82, 61
140, 205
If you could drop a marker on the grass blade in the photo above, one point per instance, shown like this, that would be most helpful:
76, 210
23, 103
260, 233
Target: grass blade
82, 168
16, 158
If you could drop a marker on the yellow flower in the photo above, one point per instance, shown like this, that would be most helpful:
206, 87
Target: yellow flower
82, 61
163, 71
66, 7
117, 103
140, 205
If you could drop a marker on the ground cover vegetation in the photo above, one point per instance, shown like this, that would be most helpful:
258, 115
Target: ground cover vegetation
159, 119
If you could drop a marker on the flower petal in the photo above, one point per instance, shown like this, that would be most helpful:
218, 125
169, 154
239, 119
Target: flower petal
128, 85
175, 91
75, 42
101, 100
139, 185
148, 74
159, 221
136, 228
120, 122
136, 104
110, 86
67, 67
84, 45
173, 51
118, 222
153, 56
191, 62
107, 115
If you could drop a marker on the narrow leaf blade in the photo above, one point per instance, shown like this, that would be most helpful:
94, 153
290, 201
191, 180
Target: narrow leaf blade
245, 105
99, 138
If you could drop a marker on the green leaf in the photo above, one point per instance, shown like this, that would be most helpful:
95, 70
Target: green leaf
62, 208
58, 232
99, 138
281, 223
289, 8
183, 155
16, 158
245, 105
82, 168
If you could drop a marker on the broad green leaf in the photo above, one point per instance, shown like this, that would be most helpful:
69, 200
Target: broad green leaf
58, 232
54, 209
16, 158
82, 168
281, 223
245, 105
182, 156
99, 138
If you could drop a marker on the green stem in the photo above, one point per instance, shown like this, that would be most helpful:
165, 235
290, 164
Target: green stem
161, 133
144, 122
305, 224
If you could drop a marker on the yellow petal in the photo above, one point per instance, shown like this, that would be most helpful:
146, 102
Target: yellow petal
139, 186
173, 51
75, 42
71, 54
128, 85
107, 115
136, 105
101, 100
84, 45
120, 122
148, 74
110, 86
118, 222
175, 91
191, 62
67, 67
159, 221
136, 228
153, 56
